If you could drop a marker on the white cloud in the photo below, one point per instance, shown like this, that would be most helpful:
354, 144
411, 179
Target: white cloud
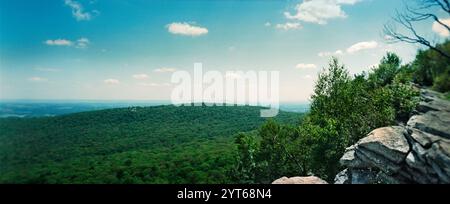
327, 54
440, 29
140, 76
111, 81
186, 29
267, 24
37, 79
59, 42
82, 43
306, 66
165, 69
362, 46
78, 11
319, 11
288, 26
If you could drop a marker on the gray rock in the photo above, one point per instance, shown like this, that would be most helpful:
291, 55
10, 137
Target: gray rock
433, 101
434, 122
414, 163
378, 161
300, 180
342, 177
419, 177
443, 178
350, 160
419, 151
430, 94
389, 142
363, 176
423, 138
433, 105
438, 157
384, 178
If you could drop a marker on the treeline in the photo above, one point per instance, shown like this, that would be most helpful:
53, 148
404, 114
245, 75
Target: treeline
344, 109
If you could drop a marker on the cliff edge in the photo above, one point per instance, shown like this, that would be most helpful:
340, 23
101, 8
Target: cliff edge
418, 152
415, 152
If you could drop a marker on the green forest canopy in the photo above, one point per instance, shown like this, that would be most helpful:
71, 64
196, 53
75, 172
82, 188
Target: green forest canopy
163, 144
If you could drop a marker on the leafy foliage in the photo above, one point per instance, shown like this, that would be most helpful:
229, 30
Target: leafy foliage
432, 69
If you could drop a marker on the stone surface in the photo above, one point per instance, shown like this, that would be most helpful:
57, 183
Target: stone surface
350, 160
300, 180
390, 142
438, 157
432, 101
434, 105
423, 138
342, 177
433, 122
363, 176
378, 161
415, 163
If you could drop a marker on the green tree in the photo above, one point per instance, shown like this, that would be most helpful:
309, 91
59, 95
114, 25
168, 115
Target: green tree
386, 71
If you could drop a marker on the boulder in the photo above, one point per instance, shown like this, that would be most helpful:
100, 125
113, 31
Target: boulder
438, 157
378, 161
388, 142
351, 161
300, 180
433, 122
423, 138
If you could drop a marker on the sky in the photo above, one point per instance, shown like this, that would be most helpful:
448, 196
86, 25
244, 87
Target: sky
127, 50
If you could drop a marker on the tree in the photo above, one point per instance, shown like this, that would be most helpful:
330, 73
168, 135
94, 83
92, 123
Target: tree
433, 69
424, 10
246, 167
385, 72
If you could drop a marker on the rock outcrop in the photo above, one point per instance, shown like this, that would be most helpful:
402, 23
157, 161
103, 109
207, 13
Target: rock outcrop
416, 153
300, 180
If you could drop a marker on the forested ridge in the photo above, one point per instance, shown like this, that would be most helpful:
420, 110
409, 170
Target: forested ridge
162, 144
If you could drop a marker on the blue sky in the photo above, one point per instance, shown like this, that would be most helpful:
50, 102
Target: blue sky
117, 49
